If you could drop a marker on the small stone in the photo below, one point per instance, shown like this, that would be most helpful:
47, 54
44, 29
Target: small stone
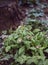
4, 36
19, 40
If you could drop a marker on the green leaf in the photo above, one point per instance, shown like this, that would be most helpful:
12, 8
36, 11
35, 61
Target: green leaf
41, 54
33, 48
27, 44
29, 61
45, 43
7, 48
36, 30
46, 62
40, 62
21, 59
21, 50
32, 60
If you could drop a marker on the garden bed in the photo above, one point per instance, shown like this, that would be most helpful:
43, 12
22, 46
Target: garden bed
24, 40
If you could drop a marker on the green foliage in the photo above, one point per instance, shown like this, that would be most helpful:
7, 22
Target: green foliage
29, 46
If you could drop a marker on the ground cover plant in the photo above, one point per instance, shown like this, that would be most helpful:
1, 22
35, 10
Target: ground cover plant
27, 45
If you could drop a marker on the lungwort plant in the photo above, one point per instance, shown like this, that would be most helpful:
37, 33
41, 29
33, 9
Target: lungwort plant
27, 46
